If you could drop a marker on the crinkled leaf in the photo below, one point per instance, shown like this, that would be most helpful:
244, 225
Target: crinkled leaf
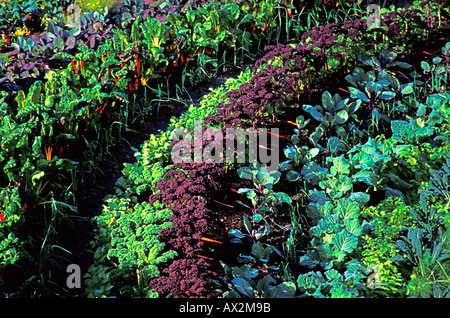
347, 208
368, 177
360, 197
340, 166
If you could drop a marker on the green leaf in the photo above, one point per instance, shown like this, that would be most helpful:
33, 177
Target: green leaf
360, 197
407, 89
337, 187
327, 100
247, 224
354, 106
341, 292
268, 180
317, 211
310, 259
245, 173
290, 152
283, 197
347, 208
341, 117
333, 275
334, 145
313, 111
353, 226
236, 233
37, 145
310, 282
244, 272
387, 95
318, 196
257, 217
36, 176
313, 152
292, 176
340, 166
425, 66
357, 94
368, 177
344, 241
243, 286
313, 172
284, 290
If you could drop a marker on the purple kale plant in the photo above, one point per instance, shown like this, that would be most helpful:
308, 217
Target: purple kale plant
185, 278
183, 190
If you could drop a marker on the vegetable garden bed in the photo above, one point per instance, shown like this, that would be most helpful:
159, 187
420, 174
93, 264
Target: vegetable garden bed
355, 116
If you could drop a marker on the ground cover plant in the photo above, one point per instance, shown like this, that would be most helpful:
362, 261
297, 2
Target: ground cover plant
357, 207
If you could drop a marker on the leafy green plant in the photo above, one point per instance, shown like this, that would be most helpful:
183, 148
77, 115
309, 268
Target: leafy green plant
263, 197
333, 284
426, 255
332, 115
94, 5
387, 220
246, 281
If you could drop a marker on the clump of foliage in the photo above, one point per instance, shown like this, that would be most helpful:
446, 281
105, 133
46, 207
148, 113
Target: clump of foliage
388, 220
95, 5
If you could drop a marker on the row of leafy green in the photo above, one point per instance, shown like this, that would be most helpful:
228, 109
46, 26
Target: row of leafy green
357, 245
201, 38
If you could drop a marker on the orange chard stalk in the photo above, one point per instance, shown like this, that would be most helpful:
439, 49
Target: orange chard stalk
210, 240
208, 258
48, 153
